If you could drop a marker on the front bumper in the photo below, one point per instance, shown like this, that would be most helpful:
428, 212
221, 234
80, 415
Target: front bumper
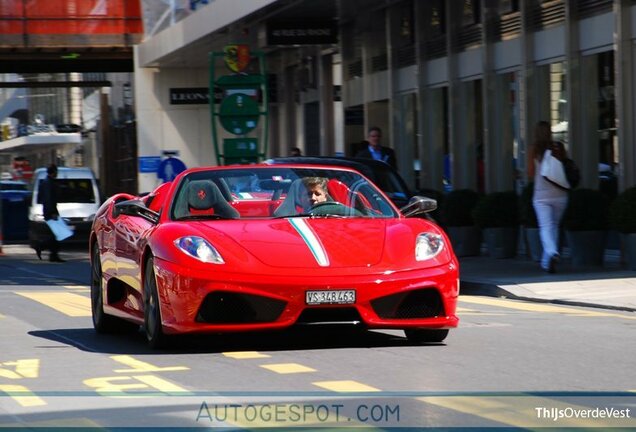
214, 301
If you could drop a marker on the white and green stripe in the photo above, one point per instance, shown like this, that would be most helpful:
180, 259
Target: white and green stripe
310, 238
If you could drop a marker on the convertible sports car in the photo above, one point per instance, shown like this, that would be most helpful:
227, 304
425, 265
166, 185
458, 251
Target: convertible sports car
257, 247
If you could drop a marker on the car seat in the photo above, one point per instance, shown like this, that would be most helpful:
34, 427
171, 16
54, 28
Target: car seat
205, 195
296, 201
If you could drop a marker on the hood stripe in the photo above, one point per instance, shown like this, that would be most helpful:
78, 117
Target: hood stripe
312, 241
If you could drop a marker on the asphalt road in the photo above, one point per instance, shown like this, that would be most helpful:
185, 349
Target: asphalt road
510, 364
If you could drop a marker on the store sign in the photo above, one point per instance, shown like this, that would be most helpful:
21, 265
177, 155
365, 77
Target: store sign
302, 32
189, 96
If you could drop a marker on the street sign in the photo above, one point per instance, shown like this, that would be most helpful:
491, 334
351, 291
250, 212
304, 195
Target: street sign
239, 113
149, 164
169, 168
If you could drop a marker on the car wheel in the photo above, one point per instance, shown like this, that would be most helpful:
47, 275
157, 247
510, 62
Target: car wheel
425, 335
102, 322
152, 313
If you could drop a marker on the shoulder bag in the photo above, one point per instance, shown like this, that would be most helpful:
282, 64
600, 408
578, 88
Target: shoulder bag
553, 171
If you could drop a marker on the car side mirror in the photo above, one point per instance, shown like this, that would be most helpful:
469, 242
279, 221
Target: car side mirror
418, 205
135, 208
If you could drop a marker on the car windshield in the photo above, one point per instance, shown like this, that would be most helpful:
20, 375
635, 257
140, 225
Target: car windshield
13, 186
75, 190
278, 192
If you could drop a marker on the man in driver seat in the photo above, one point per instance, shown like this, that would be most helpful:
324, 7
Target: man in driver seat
316, 189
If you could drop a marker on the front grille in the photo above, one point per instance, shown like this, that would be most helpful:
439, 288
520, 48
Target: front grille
232, 308
329, 315
422, 303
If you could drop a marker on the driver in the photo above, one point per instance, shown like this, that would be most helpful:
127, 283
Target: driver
316, 189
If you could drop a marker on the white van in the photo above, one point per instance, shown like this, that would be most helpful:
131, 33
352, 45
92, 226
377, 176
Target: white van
78, 200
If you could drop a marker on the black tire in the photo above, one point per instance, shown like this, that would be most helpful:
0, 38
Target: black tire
426, 335
102, 322
152, 312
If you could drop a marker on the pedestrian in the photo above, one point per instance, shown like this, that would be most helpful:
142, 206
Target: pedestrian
549, 201
374, 150
48, 196
295, 152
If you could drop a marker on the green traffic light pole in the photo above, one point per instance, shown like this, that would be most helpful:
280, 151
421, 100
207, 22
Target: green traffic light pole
243, 115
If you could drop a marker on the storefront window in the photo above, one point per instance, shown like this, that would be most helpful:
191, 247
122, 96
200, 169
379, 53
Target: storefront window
558, 102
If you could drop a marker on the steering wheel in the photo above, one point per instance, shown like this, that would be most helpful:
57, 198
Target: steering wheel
333, 208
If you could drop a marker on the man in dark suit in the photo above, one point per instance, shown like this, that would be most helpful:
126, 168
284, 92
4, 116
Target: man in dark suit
48, 197
376, 151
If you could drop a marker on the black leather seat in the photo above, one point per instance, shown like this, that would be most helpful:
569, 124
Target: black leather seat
205, 195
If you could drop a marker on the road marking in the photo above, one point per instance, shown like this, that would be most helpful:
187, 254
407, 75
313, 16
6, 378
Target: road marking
288, 368
161, 384
244, 355
26, 398
345, 386
73, 305
79, 422
24, 368
140, 366
117, 386
78, 288
540, 307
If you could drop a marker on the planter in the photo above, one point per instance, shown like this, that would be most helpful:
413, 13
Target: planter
587, 248
628, 242
533, 243
501, 241
466, 240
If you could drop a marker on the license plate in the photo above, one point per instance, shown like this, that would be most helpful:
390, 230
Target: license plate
330, 297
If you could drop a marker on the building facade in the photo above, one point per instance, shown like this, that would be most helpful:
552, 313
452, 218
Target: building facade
456, 85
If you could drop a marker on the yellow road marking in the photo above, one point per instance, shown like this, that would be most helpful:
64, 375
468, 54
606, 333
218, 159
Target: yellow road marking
161, 384
73, 305
52, 424
244, 355
521, 411
539, 307
78, 287
117, 386
25, 368
345, 386
30, 400
288, 368
140, 366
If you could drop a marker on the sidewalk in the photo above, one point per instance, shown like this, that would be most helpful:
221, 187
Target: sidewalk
610, 286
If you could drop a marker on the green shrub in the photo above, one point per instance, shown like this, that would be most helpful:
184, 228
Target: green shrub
622, 213
587, 210
497, 209
457, 207
527, 215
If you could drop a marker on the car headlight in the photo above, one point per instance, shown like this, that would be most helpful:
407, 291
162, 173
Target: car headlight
428, 245
200, 249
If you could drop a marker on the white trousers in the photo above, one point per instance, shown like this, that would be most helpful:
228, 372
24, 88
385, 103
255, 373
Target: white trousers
549, 213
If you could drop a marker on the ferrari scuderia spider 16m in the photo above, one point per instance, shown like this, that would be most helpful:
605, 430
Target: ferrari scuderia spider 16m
246, 248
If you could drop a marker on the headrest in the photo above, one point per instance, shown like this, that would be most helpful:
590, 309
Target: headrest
202, 194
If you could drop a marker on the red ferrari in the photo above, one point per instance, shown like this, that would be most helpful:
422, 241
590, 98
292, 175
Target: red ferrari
246, 248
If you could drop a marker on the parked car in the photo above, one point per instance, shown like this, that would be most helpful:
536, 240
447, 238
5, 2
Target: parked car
16, 198
78, 201
239, 248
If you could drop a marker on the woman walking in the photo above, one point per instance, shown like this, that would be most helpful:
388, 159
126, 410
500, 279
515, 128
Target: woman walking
549, 201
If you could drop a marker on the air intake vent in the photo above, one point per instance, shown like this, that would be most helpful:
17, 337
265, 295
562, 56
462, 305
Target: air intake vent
232, 308
586, 8
547, 14
424, 303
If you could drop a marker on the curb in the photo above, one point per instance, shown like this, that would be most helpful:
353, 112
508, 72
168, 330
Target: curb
493, 290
